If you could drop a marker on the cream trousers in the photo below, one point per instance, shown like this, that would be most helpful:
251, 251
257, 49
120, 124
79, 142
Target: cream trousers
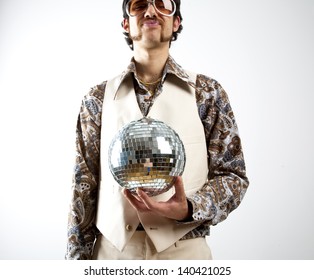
140, 247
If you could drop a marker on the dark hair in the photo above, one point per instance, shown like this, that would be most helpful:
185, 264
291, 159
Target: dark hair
174, 35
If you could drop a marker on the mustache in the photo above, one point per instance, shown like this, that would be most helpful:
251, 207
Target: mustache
151, 19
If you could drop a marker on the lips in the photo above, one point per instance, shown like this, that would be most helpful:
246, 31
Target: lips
151, 23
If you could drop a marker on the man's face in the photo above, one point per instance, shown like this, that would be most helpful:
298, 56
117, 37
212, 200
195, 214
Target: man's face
151, 29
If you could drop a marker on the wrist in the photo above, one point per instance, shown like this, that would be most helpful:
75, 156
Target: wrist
188, 217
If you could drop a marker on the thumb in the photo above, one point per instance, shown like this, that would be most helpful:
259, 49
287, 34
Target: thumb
179, 188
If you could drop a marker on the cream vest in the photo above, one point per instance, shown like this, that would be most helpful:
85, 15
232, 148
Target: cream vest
176, 106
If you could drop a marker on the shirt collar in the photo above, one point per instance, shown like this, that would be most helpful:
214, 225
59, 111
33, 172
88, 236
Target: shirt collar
171, 67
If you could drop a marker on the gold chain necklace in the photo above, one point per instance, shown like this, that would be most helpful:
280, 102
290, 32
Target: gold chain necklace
150, 86
149, 83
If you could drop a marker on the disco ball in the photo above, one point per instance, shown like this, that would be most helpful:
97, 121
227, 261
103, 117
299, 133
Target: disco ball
146, 154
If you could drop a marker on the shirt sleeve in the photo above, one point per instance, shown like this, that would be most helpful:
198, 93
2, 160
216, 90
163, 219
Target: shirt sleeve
82, 230
227, 181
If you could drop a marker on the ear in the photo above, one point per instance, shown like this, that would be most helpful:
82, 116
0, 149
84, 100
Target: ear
125, 25
176, 23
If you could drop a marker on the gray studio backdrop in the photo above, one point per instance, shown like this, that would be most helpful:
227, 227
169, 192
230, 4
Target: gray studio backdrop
261, 51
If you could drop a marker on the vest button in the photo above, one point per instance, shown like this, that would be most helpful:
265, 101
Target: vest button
128, 227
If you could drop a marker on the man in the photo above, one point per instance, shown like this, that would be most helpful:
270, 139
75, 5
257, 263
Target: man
106, 222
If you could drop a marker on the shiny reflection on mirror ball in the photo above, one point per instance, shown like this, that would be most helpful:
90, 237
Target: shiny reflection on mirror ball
146, 154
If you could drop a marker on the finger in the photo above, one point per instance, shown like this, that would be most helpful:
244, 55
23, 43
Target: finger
149, 203
161, 208
134, 201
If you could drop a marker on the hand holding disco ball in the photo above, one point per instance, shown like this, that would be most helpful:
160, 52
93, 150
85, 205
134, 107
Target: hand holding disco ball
146, 154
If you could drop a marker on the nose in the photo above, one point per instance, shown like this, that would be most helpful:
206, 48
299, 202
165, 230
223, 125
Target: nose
150, 11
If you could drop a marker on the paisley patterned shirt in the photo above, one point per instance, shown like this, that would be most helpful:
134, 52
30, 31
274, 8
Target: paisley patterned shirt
221, 194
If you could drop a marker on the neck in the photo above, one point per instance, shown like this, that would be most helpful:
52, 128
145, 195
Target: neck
150, 63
